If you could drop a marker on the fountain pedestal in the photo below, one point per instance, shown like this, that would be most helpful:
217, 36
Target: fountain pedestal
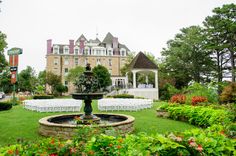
88, 117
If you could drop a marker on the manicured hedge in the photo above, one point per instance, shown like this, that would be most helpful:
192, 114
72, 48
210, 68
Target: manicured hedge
123, 96
43, 97
200, 115
5, 106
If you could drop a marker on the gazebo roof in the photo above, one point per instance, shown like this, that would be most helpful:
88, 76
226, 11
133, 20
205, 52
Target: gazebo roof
141, 61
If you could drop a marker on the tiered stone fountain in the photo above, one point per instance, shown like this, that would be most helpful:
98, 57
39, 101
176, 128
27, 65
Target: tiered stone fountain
64, 126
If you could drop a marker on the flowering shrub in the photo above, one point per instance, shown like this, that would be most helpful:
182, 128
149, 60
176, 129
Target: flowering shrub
195, 142
178, 98
198, 99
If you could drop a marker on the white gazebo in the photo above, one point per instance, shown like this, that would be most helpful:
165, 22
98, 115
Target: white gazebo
141, 63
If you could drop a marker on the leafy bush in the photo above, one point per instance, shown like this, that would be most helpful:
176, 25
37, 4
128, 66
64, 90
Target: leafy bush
198, 99
195, 142
43, 97
178, 98
200, 115
5, 106
209, 91
123, 96
168, 91
229, 93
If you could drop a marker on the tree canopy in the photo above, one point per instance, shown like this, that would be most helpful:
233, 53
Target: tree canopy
103, 76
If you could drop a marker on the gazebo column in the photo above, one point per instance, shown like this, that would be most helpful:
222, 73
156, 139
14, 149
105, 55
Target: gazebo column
126, 80
134, 79
156, 79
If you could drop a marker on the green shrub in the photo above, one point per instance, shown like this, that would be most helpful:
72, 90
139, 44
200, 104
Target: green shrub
196, 89
200, 115
5, 106
123, 96
43, 97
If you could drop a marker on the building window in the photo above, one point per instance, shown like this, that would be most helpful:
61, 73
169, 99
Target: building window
66, 61
98, 52
86, 61
76, 61
55, 61
93, 52
86, 51
110, 71
98, 61
66, 50
76, 51
110, 52
56, 50
123, 53
66, 70
66, 83
110, 62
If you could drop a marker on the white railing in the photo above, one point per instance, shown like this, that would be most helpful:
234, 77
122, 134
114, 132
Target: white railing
120, 104
53, 105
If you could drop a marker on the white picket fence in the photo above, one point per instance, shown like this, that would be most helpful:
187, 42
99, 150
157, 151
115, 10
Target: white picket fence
53, 105
120, 104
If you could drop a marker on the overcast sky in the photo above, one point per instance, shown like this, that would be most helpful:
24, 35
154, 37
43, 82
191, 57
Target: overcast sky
142, 25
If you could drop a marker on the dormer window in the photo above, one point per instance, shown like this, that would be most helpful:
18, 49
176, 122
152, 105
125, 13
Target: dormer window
110, 52
76, 50
122, 52
66, 50
86, 51
55, 49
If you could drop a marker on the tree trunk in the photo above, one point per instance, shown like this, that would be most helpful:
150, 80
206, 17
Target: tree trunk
232, 66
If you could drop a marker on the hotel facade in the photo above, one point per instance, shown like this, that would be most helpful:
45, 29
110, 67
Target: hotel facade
60, 58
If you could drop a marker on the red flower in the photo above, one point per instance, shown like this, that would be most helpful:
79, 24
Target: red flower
119, 147
110, 145
53, 154
199, 148
72, 150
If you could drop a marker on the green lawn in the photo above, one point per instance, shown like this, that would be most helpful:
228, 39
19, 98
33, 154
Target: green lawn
19, 123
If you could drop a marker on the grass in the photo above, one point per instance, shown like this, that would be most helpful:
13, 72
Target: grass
19, 123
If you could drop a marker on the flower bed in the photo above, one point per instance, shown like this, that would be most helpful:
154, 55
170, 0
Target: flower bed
194, 143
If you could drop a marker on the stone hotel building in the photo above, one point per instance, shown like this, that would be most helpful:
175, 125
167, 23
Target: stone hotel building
109, 53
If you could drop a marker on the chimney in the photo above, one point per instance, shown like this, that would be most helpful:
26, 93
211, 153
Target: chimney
49, 46
115, 45
71, 46
81, 45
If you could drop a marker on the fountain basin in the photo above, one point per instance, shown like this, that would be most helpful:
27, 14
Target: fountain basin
86, 96
63, 126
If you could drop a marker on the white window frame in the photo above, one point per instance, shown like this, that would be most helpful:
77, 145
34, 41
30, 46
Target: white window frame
76, 49
56, 49
66, 61
110, 62
76, 59
98, 61
66, 49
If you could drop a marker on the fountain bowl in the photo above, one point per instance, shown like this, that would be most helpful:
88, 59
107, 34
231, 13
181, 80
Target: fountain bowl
85, 96
64, 127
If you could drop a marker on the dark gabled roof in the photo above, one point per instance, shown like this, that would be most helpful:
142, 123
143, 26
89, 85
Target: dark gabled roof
141, 61
123, 46
108, 39
81, 36
95, 41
